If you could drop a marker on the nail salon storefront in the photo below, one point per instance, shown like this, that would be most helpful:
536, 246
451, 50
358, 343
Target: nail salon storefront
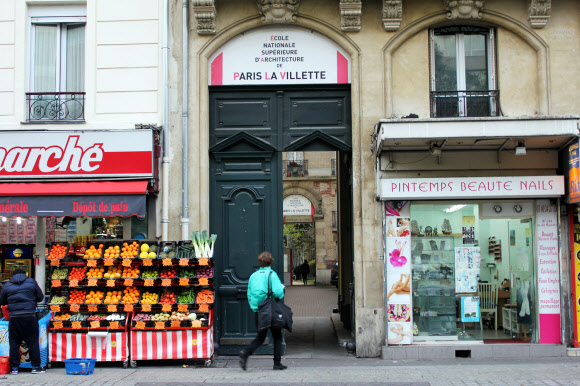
473, 261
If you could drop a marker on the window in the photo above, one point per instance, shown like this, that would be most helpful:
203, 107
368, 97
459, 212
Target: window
463, 72
57, 67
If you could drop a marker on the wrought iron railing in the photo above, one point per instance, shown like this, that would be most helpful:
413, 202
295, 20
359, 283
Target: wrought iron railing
465, 104
333, 167
334, 220
297, 168
55, 106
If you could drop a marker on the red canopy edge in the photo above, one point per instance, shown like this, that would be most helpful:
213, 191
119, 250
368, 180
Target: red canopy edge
72, 188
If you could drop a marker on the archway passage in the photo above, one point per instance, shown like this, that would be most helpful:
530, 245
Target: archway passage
250, 127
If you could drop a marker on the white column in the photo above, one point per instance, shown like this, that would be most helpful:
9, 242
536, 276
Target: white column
40, 269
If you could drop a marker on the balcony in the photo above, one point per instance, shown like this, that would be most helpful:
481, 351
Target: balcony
297, 168
447, 104
55, 107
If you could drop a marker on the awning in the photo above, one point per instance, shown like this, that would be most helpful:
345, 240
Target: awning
75, 199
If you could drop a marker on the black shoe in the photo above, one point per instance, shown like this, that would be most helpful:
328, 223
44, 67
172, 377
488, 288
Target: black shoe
38, 370
279, 366
243, 360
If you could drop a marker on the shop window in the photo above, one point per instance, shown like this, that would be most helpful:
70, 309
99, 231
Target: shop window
57, 65
463, 72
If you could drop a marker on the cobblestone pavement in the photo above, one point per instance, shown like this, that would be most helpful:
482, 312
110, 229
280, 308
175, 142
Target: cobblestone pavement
345, 370
311, 300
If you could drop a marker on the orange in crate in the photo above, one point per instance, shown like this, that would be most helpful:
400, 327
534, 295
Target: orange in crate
93, 252
62, 317
95, 273
130, 251
94, 297
76, 297
57, 252
112, 252
130, 273
113, 297
113, 273
130, 295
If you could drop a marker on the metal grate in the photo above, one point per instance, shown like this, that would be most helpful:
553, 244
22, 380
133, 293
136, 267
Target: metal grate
56, 106
446, 104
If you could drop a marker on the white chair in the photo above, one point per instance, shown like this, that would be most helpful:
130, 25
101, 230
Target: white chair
487, 301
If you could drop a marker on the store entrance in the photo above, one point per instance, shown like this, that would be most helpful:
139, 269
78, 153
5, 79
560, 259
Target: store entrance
473, 273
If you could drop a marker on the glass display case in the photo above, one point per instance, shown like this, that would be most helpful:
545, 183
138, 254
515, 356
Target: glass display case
434, 308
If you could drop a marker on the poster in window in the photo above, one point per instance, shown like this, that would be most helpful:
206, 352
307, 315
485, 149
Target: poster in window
467, 263
468, 235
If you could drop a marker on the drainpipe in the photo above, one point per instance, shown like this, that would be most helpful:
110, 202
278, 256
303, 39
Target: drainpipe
184, 127
165, 159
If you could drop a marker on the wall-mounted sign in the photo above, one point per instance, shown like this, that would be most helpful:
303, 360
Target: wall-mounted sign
279, 55
573, 172
58, 154
298, 219
575, 269
297, 205
471, 187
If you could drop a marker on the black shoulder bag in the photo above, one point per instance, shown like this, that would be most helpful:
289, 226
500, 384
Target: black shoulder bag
274, 313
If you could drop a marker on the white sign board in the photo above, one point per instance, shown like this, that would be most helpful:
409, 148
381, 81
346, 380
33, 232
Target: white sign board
548, 267
297, 205
279, 55
471, 187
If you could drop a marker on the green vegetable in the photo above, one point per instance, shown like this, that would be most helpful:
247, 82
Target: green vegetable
58, 300
59, 274
203, 245
186, 297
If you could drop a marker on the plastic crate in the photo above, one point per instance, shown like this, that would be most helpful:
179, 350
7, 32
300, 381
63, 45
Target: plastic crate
79, 366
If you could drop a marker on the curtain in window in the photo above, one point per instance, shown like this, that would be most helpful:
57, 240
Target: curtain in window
75, 58
45, 58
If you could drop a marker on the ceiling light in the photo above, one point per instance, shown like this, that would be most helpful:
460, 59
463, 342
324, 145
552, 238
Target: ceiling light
4, 219
19, 220
454, 208
520, 149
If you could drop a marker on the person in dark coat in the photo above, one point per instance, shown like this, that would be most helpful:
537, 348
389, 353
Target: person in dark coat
21, 294
305, 270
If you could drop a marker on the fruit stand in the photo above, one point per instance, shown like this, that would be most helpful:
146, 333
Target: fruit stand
132, 300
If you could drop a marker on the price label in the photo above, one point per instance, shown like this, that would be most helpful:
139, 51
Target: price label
126, 262
76, 325
203, 281
203, 261
196, 323
55, 308
93, 308
111, 283
165, 282
75, 307
57, 325
160, 325
167, 262
203, 307
182, 307
148, 283
112, 308
91, 263
175, 323
128, 308
114, 325
109, 262
184, 282
166, 307
56, 283
73, 283
92, 282
55, 263
146, 307
95, 323
128, 282
139, 325
184, 262
147, 262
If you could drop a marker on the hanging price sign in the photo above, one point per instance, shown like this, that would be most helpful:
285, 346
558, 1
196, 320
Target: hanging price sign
55, 308
203, 261
95, 324
203, 308
148, 283
128, 308
184, 262
167, 262
182, 307
110, 283
147, 262
91, 263
57, 325
76, 325
112, 308
196, 323
175, 323
160, 325
166, 307
126, 262
139, 325
92, 282
55, 263
128, 282
114, 325
75, 307
93, 308
165, 282
146, 307
73, 283
56, 283
109, 262
184, 282
203, 281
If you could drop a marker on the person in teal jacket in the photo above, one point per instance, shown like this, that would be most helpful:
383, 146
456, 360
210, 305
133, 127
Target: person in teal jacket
257, 293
